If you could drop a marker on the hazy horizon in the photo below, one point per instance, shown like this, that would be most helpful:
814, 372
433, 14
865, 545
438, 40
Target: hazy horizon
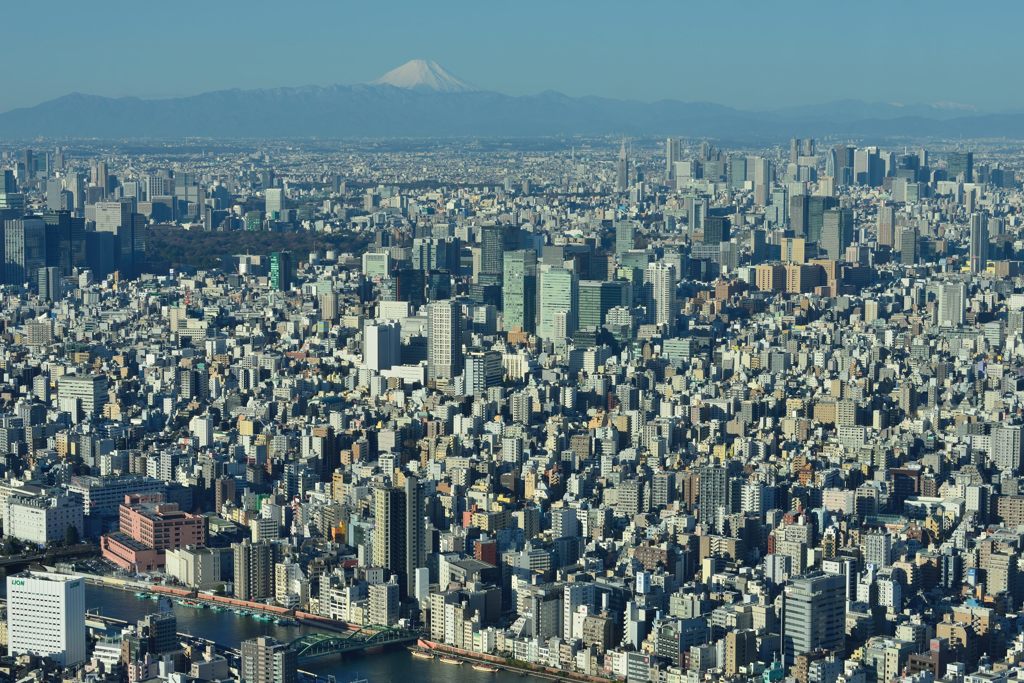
746, 56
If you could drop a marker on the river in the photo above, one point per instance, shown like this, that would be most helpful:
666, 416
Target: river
230, 629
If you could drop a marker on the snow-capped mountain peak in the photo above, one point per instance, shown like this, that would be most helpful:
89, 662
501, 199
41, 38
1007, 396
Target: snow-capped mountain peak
421, 74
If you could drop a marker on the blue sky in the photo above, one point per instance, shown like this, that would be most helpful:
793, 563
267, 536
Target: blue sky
749, 54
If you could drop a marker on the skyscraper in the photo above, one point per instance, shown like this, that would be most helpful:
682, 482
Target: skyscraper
596, 298
979, 243
274, 202
282, 271
908, 246
836, 232
960, 165
625, 236
622, 170
48, 283
265, 660
328, 306
24, 250
492, 253
46, 616
519, 295
714, 483
813, 615
660, 288
559, 296
444, 340
113, 216
1006, 447
398, 533
382, 345
672, 155
254, 570
816, 208
716, 229
952, 299
886, 225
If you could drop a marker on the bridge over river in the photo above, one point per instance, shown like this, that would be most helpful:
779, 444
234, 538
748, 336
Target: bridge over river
314, 645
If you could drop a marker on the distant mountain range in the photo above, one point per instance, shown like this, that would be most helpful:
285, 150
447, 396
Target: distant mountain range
421, 99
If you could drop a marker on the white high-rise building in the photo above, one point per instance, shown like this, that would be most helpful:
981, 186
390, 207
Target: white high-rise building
1005, 446
382, 345
952, 300
559, 301
660, 281
444, 340
275, 201
46, 616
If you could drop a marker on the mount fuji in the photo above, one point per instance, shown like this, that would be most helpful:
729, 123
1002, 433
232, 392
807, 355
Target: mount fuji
421, 74
421, 99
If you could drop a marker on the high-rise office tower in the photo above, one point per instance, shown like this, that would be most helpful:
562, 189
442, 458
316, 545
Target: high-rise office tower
714, 491
519, 294
886, 225
559, 297
399, 542
952, 301
798, 209
57, 198
622, 170
737, 172
328, 306
625, 236
382, 345
274, 202
672, 155
836, 232
908, 246
24, 250
65, 241
444, 340
74, 183
831, 163
49, 283
979, 243
8, 182
813, 615
113, 216
596, 298
282, 271
960, 166
816, 207
660, 286
492, 254
716, 229
265, 660
46, 616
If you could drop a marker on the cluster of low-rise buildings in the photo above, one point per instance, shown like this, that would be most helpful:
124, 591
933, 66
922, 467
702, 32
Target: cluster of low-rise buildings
671, 414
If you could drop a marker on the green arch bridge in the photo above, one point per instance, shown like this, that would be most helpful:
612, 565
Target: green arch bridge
316, 645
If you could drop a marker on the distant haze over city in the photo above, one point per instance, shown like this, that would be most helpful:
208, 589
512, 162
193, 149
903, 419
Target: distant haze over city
421, 98
742, 69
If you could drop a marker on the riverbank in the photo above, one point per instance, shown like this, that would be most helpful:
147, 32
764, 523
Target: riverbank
228, 628
501, 663
212, 599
